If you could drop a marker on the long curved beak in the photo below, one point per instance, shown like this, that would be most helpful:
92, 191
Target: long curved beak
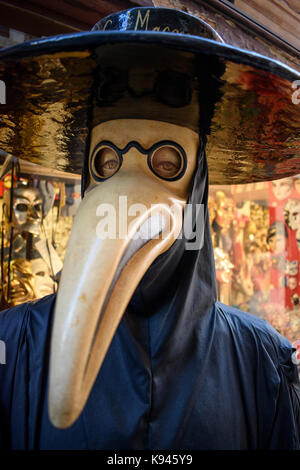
101, 272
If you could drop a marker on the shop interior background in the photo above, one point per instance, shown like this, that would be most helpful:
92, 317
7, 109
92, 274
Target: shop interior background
255, 227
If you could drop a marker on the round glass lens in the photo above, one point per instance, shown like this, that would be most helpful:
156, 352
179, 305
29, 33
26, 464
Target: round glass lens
167, 162
106, 162
21, 207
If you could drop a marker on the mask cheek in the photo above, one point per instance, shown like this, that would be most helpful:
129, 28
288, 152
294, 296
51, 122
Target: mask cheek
20, 217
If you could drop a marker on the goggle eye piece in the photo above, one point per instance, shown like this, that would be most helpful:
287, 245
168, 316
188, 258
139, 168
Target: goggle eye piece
105, 163
167, 162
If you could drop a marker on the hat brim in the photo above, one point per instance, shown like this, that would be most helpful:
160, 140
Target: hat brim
50, 100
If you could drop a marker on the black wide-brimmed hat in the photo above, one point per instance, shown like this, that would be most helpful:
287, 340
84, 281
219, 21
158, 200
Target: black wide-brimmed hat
151, 63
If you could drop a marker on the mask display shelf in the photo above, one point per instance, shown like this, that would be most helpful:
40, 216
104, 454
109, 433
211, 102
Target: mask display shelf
37, 209
256, 237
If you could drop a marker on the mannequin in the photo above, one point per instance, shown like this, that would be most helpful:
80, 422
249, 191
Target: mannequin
141, 354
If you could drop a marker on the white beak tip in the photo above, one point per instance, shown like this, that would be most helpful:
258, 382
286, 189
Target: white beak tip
63, 417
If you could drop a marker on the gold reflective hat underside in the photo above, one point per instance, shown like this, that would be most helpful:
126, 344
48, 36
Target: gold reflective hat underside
57, 89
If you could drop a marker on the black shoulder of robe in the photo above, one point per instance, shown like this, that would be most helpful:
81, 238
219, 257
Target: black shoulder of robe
235, 387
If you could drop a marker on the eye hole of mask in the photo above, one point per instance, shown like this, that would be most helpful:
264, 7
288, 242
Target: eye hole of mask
105, 163
166, 162
21, 207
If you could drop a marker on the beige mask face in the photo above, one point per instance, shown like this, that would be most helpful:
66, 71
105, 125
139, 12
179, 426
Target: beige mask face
166, 160
43, 283
21, 287
26, 210
140, 177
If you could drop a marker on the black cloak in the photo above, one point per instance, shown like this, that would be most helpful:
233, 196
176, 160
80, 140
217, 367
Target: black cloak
183, 371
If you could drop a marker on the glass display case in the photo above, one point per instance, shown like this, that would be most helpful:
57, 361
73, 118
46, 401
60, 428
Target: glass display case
256, 236
37, 210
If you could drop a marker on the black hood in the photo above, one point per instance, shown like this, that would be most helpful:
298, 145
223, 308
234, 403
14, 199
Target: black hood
185, 273
173, 302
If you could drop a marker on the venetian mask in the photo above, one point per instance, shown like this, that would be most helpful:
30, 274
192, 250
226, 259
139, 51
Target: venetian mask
292, 213
26, 209
224, 210
21, 287
277, 243
282, 188
140, 172
297, 183
291, 267
292, 283
43, 283
223, 265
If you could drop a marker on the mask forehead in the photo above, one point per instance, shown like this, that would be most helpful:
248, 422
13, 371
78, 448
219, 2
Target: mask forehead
147, 133
32, 195
26, 209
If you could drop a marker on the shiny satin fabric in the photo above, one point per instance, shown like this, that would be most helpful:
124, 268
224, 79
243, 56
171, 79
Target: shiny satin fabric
182, 372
